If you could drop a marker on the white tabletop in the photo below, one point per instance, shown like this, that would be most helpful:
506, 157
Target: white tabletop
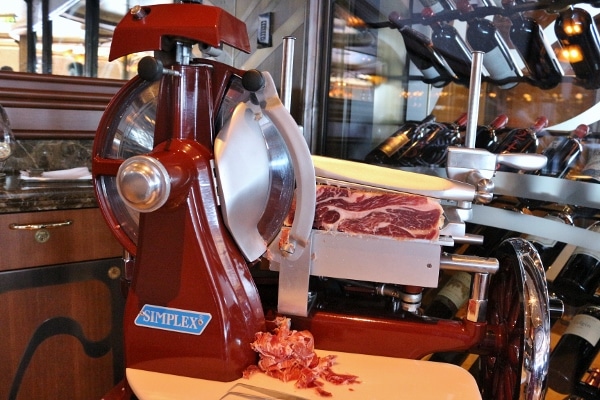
380, 378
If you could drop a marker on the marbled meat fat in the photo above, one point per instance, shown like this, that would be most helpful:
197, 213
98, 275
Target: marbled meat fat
397, 215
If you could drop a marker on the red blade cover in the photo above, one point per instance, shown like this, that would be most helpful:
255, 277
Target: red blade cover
200, 23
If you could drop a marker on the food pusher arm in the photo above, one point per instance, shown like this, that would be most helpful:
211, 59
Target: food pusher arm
477, 166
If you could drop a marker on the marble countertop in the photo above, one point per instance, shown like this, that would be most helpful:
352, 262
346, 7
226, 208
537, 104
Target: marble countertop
17, 195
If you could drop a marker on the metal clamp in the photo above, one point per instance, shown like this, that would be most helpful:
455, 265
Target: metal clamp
478, 167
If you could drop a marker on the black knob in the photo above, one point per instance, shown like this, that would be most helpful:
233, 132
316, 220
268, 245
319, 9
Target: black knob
150, 69
253, 80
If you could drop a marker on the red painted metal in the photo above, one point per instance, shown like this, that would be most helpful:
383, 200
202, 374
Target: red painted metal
119, 392
185, 257
163, 22
410, 337
187, 260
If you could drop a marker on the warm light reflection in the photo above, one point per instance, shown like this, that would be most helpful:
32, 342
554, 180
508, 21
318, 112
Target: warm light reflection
415, 94
351, 87
572, 29
355, 22
376, 80
571, 54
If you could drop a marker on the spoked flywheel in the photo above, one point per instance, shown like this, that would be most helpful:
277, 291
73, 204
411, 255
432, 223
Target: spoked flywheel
126, 130
518, 315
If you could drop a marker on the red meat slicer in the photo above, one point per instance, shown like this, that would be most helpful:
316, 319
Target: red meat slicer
196, 165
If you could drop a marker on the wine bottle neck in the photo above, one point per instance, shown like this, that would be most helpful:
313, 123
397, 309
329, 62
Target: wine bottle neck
499, 122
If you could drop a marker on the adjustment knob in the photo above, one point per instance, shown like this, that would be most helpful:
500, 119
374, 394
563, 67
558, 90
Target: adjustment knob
152, 69
253, 80
143, 183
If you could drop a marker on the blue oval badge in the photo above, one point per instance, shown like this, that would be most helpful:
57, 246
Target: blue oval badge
172, 319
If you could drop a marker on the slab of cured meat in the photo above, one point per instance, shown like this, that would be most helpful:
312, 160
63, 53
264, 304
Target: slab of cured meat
390, 214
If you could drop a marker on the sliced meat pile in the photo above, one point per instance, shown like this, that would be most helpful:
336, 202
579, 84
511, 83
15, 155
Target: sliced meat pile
289, 355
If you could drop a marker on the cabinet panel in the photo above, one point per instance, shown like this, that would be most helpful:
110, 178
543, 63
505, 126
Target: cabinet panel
61, 333
86, 237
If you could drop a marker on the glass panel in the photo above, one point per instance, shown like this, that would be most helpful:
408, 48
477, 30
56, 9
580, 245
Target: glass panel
373, 89
367, 80
68, 36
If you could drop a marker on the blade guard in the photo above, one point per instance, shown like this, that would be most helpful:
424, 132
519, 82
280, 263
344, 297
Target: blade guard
239, 155
304, 171
244, 179
145, 28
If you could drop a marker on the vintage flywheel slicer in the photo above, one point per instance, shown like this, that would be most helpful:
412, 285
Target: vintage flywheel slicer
195, 166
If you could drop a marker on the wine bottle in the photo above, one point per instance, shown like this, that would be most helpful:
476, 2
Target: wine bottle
451, 297
437, 153
383, 153
528, 38
520, 140
486, 137
409, 154
563, 152
575, 350
578, 36
458, 126
431, 146
549, 249
483, 36
421, 53
591, 167
589, 387
579, 278
457, 53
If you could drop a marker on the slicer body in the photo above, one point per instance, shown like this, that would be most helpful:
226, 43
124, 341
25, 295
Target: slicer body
192, 307
192, 282
195, 214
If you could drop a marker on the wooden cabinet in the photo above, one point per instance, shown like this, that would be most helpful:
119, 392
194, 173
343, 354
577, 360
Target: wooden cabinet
61, 307
34, 239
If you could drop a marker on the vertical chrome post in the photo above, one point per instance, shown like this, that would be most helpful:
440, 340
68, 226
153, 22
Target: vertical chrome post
473, 106
286, 72
183, 53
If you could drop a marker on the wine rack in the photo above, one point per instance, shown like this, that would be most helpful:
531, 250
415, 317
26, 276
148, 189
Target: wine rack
481, 12
491, 10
